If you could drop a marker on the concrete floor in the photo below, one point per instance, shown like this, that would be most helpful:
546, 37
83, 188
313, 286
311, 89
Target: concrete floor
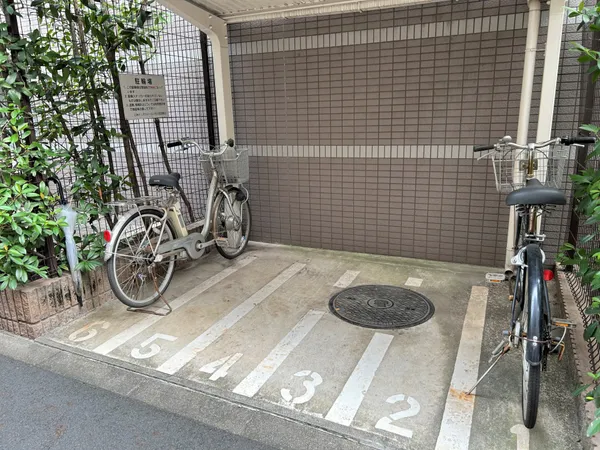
260, 334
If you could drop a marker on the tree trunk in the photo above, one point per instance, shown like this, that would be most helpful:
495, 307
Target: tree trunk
100, 132
124, 126
161, 142
13, 30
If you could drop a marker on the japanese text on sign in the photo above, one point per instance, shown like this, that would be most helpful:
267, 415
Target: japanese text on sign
144, 96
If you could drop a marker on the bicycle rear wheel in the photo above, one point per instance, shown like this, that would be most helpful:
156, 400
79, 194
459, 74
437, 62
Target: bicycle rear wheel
134, 276
531, 374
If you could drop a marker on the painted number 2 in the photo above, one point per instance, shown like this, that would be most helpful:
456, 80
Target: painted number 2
153, 349
385, 423
309, 385
89, 330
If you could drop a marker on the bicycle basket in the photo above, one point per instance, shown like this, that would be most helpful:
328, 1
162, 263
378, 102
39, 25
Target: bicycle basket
232, 166
510, 167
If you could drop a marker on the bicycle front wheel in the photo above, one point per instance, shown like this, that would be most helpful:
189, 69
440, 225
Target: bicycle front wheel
134, 276
531, 374
231, 223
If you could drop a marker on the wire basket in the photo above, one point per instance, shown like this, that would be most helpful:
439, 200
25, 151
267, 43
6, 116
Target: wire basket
232, 166
510, 167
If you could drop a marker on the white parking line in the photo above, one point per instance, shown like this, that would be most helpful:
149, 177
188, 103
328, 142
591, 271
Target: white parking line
416, 282
346, 279
455, 432
185, 355
522, 436
346, 405
137, 328
259, 376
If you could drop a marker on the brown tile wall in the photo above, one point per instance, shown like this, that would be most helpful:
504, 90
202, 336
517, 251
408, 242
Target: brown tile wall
450, 90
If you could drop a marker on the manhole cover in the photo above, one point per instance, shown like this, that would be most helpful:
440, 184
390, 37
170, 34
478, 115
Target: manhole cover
375, 306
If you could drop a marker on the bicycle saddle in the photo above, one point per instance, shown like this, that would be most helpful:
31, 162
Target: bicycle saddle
535, 193
170, 180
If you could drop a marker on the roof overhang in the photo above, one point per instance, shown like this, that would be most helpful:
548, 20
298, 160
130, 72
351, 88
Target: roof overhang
233, 11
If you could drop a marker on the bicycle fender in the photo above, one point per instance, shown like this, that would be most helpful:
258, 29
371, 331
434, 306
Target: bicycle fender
110, 246
536, 298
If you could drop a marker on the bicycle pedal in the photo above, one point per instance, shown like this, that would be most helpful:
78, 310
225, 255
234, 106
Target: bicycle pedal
222, 242
563, 323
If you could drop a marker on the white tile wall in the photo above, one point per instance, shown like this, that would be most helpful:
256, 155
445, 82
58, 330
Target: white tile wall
363, 151
405, 32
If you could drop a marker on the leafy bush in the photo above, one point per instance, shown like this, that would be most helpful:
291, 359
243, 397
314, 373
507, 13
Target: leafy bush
587, 197
54, 82
26, 207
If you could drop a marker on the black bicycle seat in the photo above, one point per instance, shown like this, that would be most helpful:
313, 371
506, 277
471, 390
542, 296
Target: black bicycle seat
535, 193
170, 180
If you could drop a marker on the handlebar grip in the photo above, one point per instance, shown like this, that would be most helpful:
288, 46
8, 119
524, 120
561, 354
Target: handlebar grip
578, 140
230, 142
481, 148
174, 144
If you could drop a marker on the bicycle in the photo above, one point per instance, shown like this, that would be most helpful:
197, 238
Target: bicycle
144, 245
531, 176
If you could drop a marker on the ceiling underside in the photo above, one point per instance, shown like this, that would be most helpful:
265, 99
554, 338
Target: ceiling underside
248, 10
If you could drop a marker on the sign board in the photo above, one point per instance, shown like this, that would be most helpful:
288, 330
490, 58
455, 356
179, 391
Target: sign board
144, 96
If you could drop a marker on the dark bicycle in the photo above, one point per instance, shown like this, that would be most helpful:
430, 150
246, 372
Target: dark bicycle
531, 175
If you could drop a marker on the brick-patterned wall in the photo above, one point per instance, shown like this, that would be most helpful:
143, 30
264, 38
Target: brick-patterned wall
41, 305
360, 125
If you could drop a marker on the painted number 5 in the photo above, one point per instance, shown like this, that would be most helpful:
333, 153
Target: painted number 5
309, 385
153, 348
88, 332
385, 423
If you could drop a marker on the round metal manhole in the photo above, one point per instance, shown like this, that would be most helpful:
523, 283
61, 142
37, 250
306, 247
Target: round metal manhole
377, 306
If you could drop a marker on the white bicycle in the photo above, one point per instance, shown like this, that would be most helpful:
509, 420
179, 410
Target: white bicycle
144, 245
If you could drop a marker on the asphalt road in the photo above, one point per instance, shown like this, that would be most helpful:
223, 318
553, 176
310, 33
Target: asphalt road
43, 410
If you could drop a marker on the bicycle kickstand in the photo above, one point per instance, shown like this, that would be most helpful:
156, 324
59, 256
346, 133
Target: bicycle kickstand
502, 349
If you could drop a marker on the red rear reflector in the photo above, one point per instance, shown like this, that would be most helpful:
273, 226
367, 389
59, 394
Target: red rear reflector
548, 275
107, 235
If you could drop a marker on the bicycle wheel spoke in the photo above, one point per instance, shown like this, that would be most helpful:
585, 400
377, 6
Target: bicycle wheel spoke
140, 288
124, 269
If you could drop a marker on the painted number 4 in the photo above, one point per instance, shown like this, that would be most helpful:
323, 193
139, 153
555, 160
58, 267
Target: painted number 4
385, 423
219, 368
153, 349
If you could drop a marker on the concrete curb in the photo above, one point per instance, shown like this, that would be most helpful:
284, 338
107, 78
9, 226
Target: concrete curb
580, 357
272, 425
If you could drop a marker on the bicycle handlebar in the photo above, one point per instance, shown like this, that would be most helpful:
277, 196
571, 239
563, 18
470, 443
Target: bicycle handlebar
506, 142
578, 140
186, 141
481, 148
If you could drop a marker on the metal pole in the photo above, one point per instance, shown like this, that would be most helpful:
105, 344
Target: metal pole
210, 120
533, 28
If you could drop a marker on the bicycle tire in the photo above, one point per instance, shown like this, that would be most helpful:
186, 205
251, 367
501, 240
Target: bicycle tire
531, 374
247, 214
113, 280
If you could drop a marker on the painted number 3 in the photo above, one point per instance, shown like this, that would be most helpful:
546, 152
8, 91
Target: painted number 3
309, 385
385, 423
